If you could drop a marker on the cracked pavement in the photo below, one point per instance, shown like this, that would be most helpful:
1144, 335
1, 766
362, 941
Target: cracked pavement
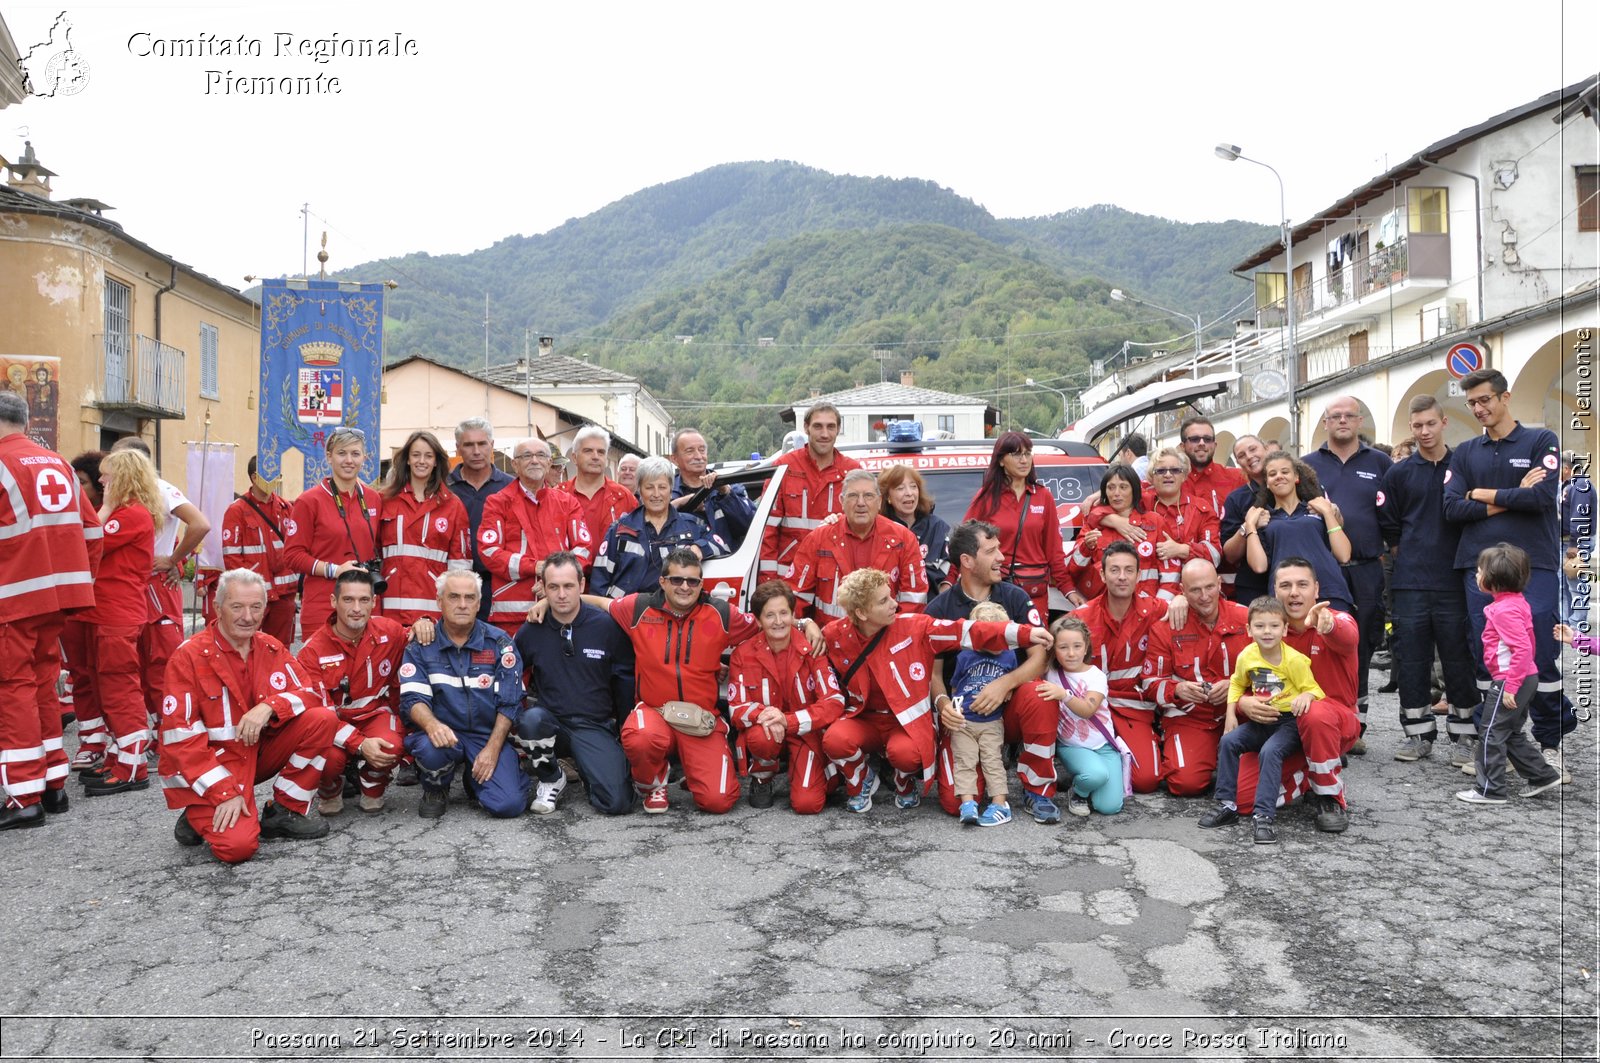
1431, 930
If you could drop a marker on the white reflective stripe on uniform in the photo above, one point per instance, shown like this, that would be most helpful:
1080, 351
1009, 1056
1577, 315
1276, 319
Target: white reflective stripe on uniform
1322, 767
915, 712
514, 566
39, 583
424, 552
285, 579
910, 597
805, 776
342, 735
296, 706
415, 688
1138, 704
93, 531
1039, 751
297, 761
20, 789
361, 703
210, 779
829, 609
510, 607
800, 522
183, 734
222, 734
1553, 687
1123, 673
245, 550
299, 793
444, 679
21, 756
1028, 774
424, 604
1177, 748
1013, 631
174, 782
802, 722
722, 780
52, 744
894, 670
127, 757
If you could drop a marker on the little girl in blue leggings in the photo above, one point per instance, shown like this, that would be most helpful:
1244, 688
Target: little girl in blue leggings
1083, 734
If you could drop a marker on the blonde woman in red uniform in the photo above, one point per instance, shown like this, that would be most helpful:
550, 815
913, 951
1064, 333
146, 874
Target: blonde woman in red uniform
333, 527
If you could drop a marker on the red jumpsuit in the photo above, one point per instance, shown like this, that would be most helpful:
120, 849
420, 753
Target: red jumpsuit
1030, 539
601, 510
203, 763
76, 641
326, 528
807, 496
252, 537
1195, 524
419, 540
44, 571
1329, 728
517, 532
111, 648
1193, 653
1119, 652
887, 708
1084, 564
806, 690
678, 658
358, 682
1213, 484
829, 554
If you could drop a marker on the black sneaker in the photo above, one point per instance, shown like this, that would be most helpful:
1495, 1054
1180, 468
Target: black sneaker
407, 775
1332, 817
103, 783
1220, 816
185, 833
352, 781
55, 802
1265, 833
760, 793
433, 803
279, 822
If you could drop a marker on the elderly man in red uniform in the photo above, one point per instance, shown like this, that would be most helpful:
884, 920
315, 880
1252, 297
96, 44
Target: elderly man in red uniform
602, 499
1119, 622
1186, 671
252, 537
810, 493
1330, 727
44, 571
357, 654
863, 539
522, 525
214, 750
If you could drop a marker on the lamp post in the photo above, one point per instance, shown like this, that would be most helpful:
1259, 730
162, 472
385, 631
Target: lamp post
1228, 153
1121, 296
1066, 410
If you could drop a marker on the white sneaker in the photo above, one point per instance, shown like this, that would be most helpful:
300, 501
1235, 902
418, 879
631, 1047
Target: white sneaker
1552, 757
331, 806
370, 804
547, 795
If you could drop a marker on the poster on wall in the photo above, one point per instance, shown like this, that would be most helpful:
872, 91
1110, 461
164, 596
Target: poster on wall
321, 361
37, 378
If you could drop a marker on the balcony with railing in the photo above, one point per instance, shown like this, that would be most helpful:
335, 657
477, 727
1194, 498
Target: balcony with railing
1405, 270
139, 374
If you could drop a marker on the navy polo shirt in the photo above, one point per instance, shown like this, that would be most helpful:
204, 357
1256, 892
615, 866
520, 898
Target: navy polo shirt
953, 604
1500, 464
1248, 584
474, 498
1353, 487
588, 677
1411, 513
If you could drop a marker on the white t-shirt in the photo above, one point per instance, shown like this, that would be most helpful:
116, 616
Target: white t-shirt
1075, 730
167, 538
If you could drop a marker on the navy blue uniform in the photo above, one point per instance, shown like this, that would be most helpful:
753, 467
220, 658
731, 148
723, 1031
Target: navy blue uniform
582, 686
1303, 534
1430, 604
1529, 521
727, 515
467, 688
474, 498
954, 604
933, 535
629, 561
1353, 487
1247, 583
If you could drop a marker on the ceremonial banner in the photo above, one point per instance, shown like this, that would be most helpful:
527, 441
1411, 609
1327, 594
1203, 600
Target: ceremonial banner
37, 378
210, 488
321, 363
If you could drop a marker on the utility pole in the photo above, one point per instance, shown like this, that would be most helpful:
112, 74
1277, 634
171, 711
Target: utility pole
486, 391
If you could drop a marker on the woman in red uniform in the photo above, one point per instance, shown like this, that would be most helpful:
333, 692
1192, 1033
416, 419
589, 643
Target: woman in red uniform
1012, 499
333, 527
779, 695
423, 530
1120, 507
131, 510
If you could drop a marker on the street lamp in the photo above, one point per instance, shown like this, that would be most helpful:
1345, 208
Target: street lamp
1121, 296
1066, 411
1228, 153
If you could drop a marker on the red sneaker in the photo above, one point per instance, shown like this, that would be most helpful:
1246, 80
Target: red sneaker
656, 800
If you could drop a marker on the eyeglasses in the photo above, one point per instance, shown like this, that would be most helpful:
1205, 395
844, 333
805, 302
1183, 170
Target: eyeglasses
1199, 439
1481, 403
530, 457
1342, 416
566, 645
1166, 471
683, 581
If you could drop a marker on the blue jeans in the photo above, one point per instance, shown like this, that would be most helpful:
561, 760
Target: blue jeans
1272, 743
1426, 621
1551, 712
504, 795
594, 745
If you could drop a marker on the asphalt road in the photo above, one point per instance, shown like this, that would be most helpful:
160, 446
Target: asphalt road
1431, 930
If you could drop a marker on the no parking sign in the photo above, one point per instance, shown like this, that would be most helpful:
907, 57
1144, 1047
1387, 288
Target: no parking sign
1462, 359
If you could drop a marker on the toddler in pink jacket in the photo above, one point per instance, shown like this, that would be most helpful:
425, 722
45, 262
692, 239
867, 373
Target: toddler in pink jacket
1508, 654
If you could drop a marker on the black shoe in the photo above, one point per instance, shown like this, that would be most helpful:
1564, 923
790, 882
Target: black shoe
1332, 818
55, 802
1264, 832
68, 716
1220, 816
433, 803
21, 818
279, 822
352, 782
103, 784
185, 833
407, 775
1390, 687
760, 793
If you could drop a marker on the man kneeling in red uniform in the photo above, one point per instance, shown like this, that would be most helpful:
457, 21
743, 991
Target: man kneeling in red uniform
214, 750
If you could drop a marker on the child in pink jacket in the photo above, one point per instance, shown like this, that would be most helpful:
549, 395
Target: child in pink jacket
1508, 654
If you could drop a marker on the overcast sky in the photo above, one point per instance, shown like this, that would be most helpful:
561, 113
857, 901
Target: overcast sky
509, 121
